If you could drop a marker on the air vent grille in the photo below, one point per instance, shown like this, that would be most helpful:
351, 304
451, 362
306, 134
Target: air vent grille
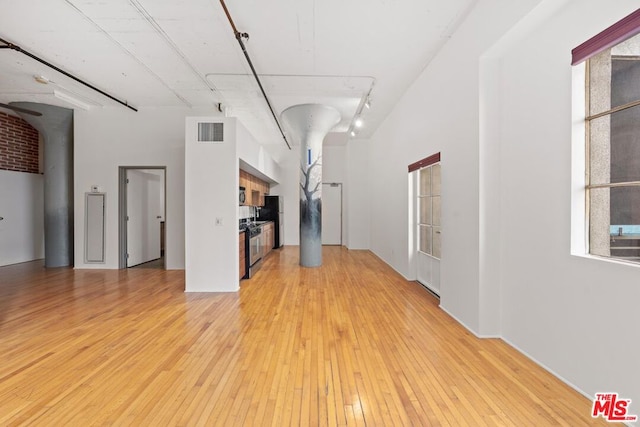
210, 132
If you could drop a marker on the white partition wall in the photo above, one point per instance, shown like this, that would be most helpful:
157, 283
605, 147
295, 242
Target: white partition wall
211, 213
211, 199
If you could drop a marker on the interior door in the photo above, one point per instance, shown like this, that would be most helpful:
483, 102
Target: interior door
145, 210
428, 230
332, 214
155, 184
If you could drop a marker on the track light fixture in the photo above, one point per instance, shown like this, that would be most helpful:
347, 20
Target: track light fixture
358, 121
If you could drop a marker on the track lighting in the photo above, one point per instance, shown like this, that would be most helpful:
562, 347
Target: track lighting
358, 123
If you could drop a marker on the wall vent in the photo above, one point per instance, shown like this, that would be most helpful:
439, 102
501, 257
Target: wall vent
210, 132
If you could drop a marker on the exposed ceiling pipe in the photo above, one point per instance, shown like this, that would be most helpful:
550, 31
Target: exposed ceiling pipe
9, 45
239, 36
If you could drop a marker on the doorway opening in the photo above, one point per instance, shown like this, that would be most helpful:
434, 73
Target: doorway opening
141, 216
427, 229
332, 213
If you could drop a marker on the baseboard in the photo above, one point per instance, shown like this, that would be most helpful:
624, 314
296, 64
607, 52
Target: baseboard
555, 374
427, 289
517, 348
527, 355
477, 335
389, 265
552, 372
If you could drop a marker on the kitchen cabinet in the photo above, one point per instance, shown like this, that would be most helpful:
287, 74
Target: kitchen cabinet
267, 238
255, 188
243, 181
241, 254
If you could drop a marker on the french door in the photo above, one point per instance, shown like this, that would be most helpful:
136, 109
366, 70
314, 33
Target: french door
428, 229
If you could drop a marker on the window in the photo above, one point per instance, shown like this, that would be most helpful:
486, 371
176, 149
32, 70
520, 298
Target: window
612, 128
429, 208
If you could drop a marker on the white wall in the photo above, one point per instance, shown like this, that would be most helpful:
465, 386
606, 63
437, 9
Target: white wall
440, 113
106, 138
288, 187
255, 154
357, 195
334, 169
211, 211
578, 316
211, 203
496, 103
22, 207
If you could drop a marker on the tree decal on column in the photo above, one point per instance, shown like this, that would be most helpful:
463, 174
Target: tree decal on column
309, 124
311, 200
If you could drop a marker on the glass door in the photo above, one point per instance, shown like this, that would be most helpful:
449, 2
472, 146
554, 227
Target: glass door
428, 231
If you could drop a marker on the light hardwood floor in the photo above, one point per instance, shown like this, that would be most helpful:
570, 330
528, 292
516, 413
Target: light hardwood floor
350, 343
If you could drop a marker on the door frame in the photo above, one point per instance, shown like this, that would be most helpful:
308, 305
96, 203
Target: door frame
122, 210
414, 217
338, 184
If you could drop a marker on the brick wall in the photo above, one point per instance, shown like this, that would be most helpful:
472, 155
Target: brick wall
19, 144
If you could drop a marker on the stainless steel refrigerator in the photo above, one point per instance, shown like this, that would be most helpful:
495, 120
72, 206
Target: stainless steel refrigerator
273, 210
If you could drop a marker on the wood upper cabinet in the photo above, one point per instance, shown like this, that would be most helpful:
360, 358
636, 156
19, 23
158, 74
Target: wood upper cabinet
255, 188
244, 182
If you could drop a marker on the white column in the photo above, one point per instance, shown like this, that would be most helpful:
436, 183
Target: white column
56, 127
309, 124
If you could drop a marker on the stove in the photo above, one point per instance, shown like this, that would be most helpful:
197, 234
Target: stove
253, 246
253, 230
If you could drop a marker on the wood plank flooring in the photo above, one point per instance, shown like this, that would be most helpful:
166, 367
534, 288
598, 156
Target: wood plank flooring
350, 343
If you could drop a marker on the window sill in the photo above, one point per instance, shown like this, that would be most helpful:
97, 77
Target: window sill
609, 260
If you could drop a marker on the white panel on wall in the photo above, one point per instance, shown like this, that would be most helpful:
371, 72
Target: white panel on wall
94, 227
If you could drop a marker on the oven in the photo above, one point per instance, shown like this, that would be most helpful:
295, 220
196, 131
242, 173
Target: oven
255, 248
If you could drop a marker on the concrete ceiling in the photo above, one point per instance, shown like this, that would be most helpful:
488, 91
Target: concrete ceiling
153, 53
